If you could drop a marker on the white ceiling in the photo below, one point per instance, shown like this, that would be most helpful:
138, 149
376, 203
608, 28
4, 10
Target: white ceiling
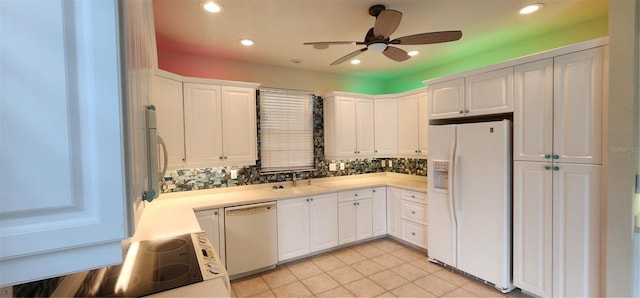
280, 27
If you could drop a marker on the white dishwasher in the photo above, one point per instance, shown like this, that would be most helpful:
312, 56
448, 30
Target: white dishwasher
251, 238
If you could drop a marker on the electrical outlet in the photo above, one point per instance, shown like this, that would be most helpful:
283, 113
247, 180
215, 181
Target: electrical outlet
384, 163
234, 174
390, 164
342, 166
332, 167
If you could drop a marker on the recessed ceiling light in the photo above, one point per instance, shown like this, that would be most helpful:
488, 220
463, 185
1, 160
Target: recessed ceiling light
246, 42
413, 53
531, 8
211, 6
355, 61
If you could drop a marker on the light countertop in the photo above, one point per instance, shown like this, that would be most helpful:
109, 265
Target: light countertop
173, 213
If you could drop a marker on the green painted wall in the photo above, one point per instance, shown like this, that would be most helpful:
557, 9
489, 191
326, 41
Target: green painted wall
584, 31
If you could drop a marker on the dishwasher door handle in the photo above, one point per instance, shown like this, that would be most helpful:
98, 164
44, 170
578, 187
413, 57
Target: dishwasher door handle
253, 209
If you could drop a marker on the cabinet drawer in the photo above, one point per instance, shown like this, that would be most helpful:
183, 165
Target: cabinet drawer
414, 196
414, 212
350, 195
414, 233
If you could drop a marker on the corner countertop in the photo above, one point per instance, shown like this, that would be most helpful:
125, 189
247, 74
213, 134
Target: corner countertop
173, 213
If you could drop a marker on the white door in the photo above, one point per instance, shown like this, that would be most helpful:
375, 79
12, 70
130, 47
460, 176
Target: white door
293, 228
532, 227
482, 200
578, 93
323, 222
202, 125
576, 230
446, 99
386, 127
364, 127
364, 219
408, 125
346, 222
441, 220
238, 125
167, 97
533, 111
489, 93
379, 201
423, 124
393, 212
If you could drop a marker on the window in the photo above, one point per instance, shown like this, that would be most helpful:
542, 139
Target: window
286, 130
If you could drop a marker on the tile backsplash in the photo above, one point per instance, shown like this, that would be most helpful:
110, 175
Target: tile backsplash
205, 178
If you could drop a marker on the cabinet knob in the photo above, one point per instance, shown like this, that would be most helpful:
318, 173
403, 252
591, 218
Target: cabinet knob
307, 199
556, 156
221, 157
556, 168
358, 203
466, 111
547, 168
413, 196
354, 203
311, 199
547, 156
413, 233
374, 190
215, 212
461, 112
225, 157
375, 151
355, 195
413, 212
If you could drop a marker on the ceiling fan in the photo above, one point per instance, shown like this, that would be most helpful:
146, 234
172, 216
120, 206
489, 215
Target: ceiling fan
377, 38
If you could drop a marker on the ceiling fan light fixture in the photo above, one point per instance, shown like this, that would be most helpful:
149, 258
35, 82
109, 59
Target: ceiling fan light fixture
211, 7
413, 53
355, 61
531, 8
377, 47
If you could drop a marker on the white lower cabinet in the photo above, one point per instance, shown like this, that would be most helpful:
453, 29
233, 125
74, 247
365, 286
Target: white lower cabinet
407, 215
355, 215
379, 207
212, 224
306, 225
393, 212
556, 229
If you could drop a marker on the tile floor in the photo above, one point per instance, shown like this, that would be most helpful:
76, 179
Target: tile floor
378, 268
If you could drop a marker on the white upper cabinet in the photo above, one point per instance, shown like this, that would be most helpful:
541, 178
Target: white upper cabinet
386, 127
577, 106
349, 127
412, 125
481, 94
63, 204
167, 97
205, 124
558, 109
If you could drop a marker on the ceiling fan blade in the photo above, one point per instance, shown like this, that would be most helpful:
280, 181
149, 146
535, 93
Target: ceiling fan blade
428, 38
349, 56
396, 54
332, 42
386, 23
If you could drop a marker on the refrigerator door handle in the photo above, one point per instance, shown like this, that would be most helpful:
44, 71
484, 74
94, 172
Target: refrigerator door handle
451, 182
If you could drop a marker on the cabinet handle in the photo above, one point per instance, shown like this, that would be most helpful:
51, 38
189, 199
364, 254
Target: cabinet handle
556, 156
556, 168
413, 233
547, 156
413, 212
547, 168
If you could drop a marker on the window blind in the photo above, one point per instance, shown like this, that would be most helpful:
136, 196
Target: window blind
286, 130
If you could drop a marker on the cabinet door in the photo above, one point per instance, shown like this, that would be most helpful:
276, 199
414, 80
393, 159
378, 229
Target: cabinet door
393, 212
532, 227
202, 125
167, 97
423, 124
533, 111
386, 127
364, 219
293, 228
62, 192
408, 125
346, 222
364, 128
340, 127
576, 230
238, 125
489, 93
208, 221
323, 222
578, 80
446, 99
379, 201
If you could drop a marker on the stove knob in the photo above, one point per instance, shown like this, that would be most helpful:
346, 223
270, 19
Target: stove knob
214, 270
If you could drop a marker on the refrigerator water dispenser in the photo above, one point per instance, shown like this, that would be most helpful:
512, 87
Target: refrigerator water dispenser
441, 174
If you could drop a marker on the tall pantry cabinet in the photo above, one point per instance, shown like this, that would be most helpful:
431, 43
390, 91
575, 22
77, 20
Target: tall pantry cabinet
557, 169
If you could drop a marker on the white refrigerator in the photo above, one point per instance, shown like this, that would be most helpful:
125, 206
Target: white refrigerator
469, 194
